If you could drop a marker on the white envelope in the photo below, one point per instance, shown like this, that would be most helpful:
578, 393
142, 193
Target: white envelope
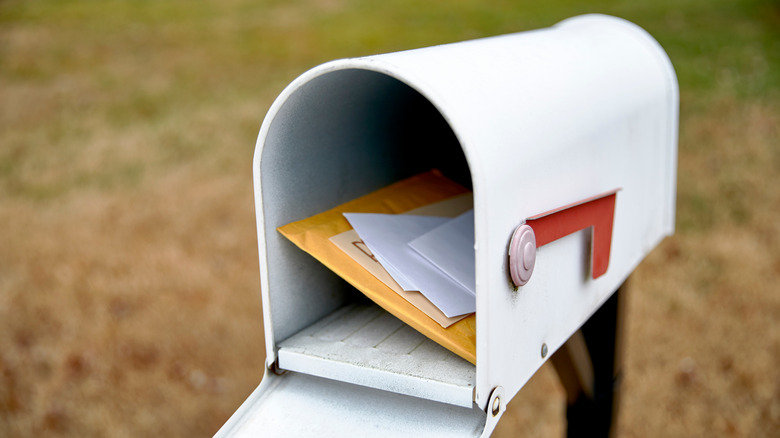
387, 236
450, 247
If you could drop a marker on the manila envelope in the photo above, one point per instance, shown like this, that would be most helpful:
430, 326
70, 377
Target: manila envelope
418, 192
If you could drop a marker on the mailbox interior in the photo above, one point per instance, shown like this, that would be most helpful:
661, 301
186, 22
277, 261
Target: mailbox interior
332, 138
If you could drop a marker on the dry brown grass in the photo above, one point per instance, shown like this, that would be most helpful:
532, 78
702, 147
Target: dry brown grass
131, 314
129, 301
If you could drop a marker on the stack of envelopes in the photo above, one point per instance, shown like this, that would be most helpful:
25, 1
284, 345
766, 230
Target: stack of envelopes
409, 247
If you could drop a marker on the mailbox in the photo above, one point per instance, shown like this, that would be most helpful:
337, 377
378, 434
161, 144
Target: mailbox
576, 123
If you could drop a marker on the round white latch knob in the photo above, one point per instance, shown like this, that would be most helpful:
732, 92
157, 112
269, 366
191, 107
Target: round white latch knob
522, 254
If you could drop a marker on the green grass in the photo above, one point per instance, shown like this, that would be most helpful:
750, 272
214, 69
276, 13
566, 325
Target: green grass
143, 69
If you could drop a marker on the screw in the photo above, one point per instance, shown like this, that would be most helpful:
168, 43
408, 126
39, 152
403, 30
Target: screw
544, 351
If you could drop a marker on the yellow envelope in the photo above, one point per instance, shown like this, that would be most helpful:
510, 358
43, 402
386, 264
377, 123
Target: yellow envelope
312, 235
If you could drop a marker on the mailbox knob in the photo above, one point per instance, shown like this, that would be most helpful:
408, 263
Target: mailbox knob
522, 254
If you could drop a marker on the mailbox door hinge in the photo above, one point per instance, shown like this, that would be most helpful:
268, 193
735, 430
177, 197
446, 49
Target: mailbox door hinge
495, 409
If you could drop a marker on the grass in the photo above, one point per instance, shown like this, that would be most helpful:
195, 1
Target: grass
129, 299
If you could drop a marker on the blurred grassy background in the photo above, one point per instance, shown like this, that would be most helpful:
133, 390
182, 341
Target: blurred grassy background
129, 297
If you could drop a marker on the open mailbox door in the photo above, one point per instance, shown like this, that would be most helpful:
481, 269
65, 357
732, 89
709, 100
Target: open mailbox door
544, 127
299, 405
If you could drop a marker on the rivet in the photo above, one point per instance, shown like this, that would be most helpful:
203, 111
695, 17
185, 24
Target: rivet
496, 408
544, 351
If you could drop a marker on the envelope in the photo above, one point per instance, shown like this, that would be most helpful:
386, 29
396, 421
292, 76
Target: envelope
312, 236
388, 237
449, 247
351, 243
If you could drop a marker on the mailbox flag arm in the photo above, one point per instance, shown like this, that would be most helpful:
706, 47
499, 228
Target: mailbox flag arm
597, 212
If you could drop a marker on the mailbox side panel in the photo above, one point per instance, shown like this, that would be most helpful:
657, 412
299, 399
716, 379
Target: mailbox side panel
547, 118
602, 117
612, 126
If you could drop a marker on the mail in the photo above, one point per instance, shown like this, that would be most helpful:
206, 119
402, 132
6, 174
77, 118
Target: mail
414, 267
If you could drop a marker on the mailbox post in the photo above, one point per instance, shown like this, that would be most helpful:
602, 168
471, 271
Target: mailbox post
546, 127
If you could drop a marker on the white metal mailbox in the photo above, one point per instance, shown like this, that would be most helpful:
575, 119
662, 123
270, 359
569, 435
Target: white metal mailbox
531, 122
